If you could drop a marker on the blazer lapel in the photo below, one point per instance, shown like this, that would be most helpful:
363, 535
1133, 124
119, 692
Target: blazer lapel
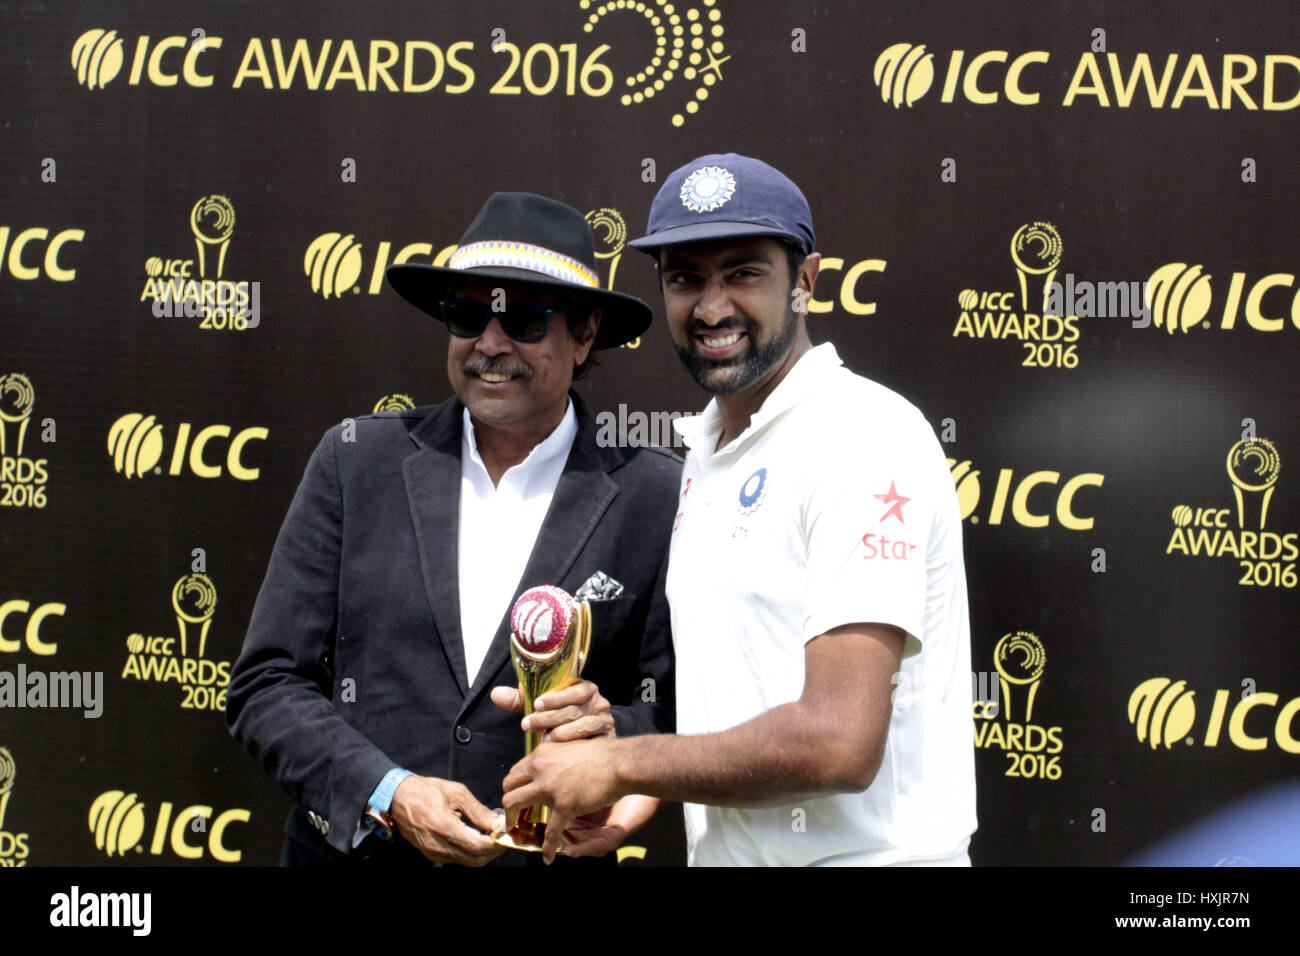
433, 491
581, 498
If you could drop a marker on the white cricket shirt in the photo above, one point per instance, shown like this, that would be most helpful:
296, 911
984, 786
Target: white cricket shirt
835, 506
498, 528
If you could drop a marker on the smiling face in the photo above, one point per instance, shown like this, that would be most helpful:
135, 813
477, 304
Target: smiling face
731, 310
505, 383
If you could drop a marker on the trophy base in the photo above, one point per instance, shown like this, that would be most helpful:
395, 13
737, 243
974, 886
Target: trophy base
523, 836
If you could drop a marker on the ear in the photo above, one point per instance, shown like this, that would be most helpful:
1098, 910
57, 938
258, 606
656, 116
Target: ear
808, 270
582, 349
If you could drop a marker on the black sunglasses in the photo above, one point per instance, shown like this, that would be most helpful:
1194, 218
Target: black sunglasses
524, 323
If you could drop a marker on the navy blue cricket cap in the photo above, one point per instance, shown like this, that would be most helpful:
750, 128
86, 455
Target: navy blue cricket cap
724, 196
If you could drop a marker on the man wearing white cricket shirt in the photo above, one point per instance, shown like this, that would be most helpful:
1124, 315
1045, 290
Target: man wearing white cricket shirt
815, 576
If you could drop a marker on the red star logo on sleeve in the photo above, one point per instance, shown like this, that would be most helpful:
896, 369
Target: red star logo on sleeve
895, 502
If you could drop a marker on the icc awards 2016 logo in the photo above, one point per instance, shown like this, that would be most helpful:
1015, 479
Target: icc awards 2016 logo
23, 476
181, 658
1033, 751
1267, 558
1050, 340
677, 59
194, 287
118, 822
14, 848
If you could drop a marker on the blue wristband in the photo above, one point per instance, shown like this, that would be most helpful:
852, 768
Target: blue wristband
382, 799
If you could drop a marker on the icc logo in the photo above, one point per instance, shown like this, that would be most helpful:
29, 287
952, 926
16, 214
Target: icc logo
396, 402
213, 222
50, 264
333, 263
610, 231
13, 846
22, 479
1163, 711
97, 58
904, 74
194, 598
1253, 467
136, 444
1180, 297
117, 821
7, 774
967, 481
1036, 251
1020, 659
17, 398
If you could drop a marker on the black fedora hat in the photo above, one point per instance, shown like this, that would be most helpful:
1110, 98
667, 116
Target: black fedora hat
527, 239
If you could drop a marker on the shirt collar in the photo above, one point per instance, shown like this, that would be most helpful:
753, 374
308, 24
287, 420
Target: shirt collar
700, 432
554, 445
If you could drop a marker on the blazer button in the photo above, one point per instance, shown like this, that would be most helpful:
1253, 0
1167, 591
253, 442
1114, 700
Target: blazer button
462, 734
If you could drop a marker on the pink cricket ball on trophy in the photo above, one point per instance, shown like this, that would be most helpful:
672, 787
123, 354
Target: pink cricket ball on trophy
541, 619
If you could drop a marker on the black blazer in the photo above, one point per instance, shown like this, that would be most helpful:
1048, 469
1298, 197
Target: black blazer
353, 663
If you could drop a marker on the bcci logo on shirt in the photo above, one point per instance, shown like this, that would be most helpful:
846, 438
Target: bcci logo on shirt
1266, 558
1032, 750
1048, 339
753, 492
180, 658
195, 287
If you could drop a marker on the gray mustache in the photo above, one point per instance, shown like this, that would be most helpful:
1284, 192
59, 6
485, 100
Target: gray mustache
498, 365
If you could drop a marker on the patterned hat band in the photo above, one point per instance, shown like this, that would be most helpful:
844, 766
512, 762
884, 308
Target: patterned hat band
522, 255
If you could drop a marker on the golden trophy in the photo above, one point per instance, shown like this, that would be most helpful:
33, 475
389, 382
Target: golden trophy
550, 635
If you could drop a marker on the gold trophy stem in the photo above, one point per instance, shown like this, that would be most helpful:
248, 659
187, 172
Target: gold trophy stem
537, 678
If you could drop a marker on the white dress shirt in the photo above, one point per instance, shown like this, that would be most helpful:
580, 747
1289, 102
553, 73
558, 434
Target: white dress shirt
498, 527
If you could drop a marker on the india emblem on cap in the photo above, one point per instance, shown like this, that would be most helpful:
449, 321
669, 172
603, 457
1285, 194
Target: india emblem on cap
707, 188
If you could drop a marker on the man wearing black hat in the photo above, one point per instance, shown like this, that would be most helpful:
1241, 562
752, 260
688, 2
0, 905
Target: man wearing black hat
375, 682
816, 579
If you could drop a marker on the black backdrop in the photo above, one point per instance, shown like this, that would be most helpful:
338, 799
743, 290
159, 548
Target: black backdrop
1092, 453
